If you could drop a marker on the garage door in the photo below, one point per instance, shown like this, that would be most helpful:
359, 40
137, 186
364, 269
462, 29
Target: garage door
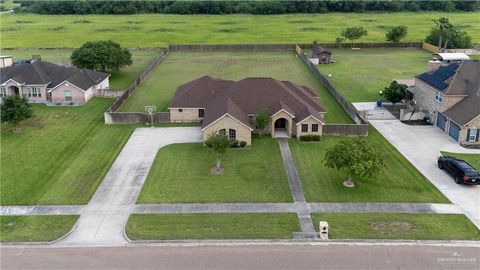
441, 120
454, 130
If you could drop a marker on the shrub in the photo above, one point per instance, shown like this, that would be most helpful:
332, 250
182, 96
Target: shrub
233, 143
310, 138
243, 144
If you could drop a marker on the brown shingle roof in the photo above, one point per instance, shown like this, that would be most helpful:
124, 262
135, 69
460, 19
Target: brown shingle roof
247, 96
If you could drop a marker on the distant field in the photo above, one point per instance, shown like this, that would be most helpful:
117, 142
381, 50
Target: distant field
359, 75
182, 67
118, 81
159, 30
60, 156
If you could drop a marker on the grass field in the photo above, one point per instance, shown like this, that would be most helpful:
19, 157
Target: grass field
118, 80
359, 75
398, 226
159, 30
212, 226
401, 181
472, 159
182, 67
34, 228
181, 174
60, 156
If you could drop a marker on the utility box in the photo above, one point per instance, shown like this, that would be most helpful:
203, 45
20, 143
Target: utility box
323, 231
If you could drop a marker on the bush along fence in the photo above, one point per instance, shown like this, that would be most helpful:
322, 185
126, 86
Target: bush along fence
361, 126
111, 116
284, 47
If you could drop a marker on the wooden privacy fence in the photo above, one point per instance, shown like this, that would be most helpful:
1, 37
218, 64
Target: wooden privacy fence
345, 129
284, 47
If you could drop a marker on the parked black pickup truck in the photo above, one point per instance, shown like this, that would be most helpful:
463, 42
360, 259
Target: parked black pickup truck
462, 172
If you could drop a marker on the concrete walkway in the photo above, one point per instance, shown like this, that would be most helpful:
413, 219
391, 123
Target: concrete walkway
421, 145
104, 218
374, 112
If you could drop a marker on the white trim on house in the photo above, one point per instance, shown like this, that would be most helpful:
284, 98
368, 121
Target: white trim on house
5, 83
51, 89
293, 116
310, 116
227, 114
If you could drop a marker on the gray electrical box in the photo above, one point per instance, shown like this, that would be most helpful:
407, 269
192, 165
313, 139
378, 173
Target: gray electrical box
323, 230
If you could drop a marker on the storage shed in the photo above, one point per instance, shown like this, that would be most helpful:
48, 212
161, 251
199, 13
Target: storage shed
323, 55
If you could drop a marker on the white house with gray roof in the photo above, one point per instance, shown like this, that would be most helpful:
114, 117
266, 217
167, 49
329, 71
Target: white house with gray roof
44, 82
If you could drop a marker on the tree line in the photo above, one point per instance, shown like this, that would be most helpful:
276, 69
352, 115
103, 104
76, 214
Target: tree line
231, 7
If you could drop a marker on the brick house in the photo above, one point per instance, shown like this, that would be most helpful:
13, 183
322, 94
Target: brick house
229, 107
451, 97
44, 82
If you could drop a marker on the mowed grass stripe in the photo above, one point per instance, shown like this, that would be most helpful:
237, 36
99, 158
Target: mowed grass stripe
159, 30
212, 226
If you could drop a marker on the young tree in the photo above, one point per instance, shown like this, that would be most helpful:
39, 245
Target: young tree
356, 157
219, 143
354, 33
15, 109
441, 25
396, 33
101, 55
395, 92
453, 37
262, 119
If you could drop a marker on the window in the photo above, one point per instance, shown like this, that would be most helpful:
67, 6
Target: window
314, 127
232, 134
3, 92
201, 112
439, 97
304, 128
68, 94
472, 134
35, 91
27, 91
222, 131
180, 110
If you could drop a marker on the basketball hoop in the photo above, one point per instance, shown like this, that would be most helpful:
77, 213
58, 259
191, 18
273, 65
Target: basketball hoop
150, 110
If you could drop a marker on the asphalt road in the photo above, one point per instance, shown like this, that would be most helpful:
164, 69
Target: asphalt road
339, 256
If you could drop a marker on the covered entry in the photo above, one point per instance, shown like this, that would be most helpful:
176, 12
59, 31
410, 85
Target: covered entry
281, 128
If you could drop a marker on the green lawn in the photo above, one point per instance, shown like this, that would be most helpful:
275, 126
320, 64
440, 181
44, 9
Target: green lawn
118, 80
359, 75
181, 174
159, 30
182, 67
34, 228
212, 226
472, 159
401, 181
60, 156
398, 226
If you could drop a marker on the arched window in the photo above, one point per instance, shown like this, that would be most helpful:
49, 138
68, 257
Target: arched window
232, 134
222, 131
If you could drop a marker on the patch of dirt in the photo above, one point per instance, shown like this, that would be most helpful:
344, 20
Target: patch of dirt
349, 183
392, 226
215, 171
16, 130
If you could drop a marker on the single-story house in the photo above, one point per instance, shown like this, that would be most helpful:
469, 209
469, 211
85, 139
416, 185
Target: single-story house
451, 97
323, 55
230, 107
44, 82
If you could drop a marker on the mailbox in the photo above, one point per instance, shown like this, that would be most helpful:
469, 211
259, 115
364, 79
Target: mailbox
323, 230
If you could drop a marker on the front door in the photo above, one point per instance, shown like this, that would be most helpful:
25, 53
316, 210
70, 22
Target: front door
281, 123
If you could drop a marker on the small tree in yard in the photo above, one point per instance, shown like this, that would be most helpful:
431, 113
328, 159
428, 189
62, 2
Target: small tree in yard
101, 55
395, 92
355, 157
262, 118
354, 33
15, 109
219, 143
396, 33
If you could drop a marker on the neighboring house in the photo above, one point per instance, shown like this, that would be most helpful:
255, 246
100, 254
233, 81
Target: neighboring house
451, 97
229, 107
44, 82
323, 55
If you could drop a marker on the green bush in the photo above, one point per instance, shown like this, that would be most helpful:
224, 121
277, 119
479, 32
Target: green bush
243, 143
310, 138
233, 143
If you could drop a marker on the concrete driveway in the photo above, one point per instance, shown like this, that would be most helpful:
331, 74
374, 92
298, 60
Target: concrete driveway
421, 145
103, 220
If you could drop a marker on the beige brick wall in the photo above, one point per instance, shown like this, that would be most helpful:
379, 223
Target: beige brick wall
309, 122
23, 91
464, 131
58, 94
277, 116
227, 122
187, 115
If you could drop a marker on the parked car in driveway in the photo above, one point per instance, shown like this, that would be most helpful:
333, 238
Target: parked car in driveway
460, 170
